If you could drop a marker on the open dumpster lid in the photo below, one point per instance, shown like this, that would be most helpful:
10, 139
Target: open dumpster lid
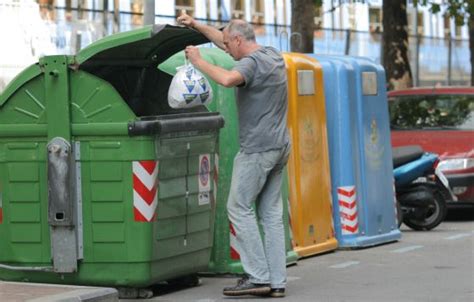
129, 60
141, 47
124, 52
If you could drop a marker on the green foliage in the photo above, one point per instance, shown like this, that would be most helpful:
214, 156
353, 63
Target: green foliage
437, 111
457, 9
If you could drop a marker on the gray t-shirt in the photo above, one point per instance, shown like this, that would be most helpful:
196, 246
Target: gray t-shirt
262, 101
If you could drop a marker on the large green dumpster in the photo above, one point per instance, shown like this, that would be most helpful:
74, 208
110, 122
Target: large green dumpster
100, 181
225, 258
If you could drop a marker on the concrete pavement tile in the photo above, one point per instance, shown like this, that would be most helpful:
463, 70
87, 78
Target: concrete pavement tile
36, 292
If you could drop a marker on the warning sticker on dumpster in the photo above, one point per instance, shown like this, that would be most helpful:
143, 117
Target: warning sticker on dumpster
145, 190
347, 198
203, 198
204, 179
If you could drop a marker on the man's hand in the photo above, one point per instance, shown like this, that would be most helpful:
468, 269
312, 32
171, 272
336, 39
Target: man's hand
193, 54
226, 78
210, 32
186, 20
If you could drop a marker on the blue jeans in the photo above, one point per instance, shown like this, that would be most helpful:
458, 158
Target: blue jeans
257, 177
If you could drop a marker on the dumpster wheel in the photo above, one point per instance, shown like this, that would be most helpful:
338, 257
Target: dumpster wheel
134, 293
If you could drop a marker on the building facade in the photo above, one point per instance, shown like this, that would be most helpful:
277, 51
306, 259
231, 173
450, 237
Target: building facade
438, 49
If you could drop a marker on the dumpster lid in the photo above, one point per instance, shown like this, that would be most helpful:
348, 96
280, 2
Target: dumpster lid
143, 47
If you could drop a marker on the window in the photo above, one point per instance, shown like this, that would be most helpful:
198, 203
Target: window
187, 5
258, 17
238, 9
352, 18
208, 9
419, 19
318, 16
432, 112
375, 19
458, 31
258, 10
447, 25
137, 11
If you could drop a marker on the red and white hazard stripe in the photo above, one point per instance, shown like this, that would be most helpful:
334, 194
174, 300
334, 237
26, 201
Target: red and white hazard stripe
145, 190
348, 209
234, 250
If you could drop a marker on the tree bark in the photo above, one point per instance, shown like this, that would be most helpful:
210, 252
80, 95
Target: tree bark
471, 43
395, 45
302, 26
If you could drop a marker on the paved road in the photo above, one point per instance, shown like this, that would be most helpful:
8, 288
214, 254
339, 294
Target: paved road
423, 266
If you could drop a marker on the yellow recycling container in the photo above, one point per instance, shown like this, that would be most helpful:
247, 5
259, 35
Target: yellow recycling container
308, 166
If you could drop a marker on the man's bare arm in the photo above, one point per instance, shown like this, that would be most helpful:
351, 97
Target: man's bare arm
212, 33
226, 78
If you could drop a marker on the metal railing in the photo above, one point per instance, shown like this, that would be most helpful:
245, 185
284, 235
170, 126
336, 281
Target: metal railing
433, 60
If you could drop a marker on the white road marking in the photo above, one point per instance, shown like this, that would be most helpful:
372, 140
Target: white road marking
407, 249
345, 264
292, 278
458, 236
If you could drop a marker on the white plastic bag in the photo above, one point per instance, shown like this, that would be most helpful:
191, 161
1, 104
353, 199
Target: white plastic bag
189, 88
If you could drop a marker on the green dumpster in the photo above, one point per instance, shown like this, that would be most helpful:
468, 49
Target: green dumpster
100, 181
225, 258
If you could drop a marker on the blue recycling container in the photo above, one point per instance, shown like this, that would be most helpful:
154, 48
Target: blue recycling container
360, 151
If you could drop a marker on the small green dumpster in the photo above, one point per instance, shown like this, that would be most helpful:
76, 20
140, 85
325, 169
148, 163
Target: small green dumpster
101, 182
225, 257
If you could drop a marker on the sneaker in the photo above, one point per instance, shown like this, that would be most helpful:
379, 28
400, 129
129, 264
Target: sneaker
277, 293
245, 287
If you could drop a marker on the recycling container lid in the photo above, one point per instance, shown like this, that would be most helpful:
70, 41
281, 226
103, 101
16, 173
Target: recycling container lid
125, 52
146, 46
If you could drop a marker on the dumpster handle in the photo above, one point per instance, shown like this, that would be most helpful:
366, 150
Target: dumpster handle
175, 124
27, 268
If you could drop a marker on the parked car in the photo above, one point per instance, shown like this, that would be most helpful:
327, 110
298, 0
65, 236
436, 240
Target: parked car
440, 120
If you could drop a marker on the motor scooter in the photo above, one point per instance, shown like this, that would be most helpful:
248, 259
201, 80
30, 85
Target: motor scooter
421, 190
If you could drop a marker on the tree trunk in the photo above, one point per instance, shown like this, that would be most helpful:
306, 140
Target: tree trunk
302, 26
395, 45
471, 43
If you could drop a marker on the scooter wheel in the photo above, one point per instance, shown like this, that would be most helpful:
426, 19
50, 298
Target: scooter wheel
432, 217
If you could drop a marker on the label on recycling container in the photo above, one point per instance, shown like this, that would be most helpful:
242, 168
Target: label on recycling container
204, 179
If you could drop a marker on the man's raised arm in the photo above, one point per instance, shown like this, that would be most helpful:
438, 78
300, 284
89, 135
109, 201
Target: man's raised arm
212, 33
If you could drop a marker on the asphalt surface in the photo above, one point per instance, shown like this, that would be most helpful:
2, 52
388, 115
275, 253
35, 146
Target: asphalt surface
436, 265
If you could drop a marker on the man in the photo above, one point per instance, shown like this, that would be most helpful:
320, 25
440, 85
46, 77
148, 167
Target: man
261, 92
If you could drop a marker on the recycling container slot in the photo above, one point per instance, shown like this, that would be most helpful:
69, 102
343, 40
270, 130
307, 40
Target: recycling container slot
144, 88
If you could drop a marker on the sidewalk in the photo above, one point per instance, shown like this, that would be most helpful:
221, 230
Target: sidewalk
36, 292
